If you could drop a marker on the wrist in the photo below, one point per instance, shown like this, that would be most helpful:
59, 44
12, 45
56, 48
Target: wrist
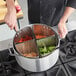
63, 20
12, 9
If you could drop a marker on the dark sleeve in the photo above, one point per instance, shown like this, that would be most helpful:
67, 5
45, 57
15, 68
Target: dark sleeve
71, 3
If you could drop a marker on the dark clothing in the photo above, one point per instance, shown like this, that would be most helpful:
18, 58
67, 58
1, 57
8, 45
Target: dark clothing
47, 11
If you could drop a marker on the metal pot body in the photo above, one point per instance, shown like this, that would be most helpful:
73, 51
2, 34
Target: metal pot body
38, 64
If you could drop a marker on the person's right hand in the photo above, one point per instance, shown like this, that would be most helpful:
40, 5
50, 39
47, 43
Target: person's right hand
62, 29
11, 19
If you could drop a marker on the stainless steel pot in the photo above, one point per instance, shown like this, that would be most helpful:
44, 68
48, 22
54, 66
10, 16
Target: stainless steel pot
37, 64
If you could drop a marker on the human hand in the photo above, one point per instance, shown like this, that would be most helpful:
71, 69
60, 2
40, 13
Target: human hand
11, 19
62, 30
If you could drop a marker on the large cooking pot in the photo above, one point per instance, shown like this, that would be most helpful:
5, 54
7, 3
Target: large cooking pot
39, 63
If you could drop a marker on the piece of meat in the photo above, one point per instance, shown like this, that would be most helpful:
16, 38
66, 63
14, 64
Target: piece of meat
32, 54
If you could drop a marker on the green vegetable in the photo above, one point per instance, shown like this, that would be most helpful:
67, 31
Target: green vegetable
47, 45
51, 48
46, 50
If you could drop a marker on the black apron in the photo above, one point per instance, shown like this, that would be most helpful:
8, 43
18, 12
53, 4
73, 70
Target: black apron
45, 11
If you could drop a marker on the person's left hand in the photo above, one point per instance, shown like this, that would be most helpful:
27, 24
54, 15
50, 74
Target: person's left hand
11, 19
62, 30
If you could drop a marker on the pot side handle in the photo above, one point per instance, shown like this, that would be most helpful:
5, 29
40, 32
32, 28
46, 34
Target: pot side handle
11, 51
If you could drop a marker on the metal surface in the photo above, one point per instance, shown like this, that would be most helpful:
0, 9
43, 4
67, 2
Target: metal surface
38, 64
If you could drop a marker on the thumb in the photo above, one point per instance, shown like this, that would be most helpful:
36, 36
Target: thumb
16, 28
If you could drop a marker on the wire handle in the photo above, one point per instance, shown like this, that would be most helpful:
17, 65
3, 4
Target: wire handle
10, 51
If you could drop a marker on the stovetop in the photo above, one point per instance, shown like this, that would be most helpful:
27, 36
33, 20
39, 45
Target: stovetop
65, 66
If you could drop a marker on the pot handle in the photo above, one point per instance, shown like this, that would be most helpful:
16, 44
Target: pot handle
11, 51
